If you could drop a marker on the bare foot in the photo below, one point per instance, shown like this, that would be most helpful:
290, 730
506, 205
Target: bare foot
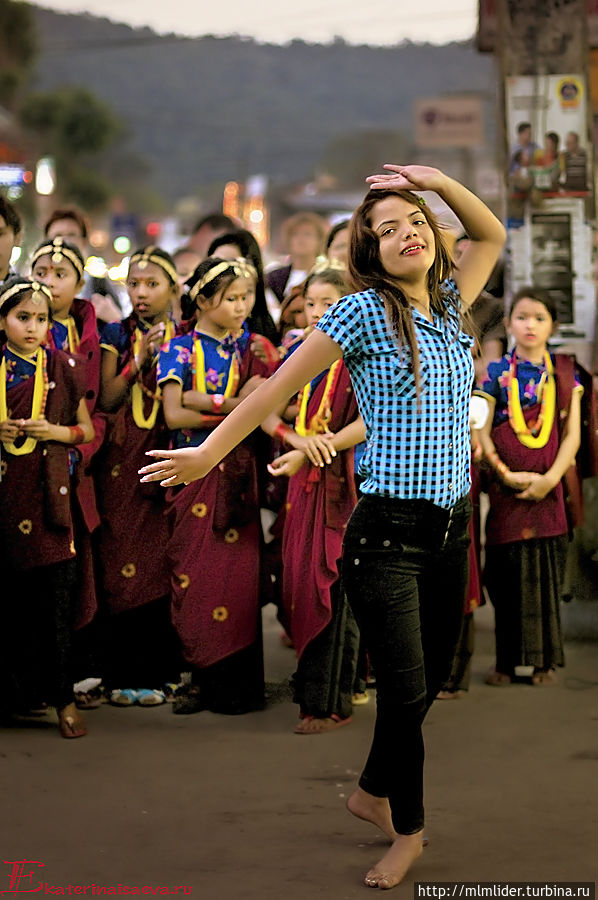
372, 809
395, 864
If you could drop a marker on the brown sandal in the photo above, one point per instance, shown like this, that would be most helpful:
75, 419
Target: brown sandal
70, 722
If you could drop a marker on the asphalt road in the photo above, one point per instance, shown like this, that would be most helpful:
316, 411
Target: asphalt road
241, 807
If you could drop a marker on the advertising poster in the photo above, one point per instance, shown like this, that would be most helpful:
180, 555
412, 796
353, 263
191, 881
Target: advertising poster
549, 152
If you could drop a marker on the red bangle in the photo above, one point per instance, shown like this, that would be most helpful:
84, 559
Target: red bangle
77, 436
128, 375
281, 432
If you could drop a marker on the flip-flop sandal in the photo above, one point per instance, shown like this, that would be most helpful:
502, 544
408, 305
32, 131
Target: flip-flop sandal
328, 724
126, 697
146, 697
360, 698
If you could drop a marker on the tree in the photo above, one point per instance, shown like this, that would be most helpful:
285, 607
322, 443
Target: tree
18, 49
73, 126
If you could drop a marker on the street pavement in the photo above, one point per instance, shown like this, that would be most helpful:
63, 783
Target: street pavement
240, 808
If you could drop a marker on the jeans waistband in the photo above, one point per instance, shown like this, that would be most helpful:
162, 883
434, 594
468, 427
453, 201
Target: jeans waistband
415, 508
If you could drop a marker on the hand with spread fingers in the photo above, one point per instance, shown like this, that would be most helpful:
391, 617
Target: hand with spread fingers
408, 178
176, 466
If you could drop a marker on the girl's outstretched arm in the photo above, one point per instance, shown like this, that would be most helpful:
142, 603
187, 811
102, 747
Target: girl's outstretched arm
487, 235
317, 353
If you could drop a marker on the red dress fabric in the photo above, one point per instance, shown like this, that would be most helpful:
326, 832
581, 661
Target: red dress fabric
319, 505
134, 529
36, 526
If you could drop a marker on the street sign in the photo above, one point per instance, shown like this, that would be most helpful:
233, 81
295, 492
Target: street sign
456, 121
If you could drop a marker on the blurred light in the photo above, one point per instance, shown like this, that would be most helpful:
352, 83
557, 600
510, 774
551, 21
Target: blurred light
256, 216
27, 177
96, 267
15, 255
120, 272
122, 244
14, 193
230, 199
98, 238
45, 176
153, 229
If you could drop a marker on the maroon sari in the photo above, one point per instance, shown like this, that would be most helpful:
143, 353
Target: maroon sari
87, 517
36, 526
214, 552
510, 519
134, 529
319, 504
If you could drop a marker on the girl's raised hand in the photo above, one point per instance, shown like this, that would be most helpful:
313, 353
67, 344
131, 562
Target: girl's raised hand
151, 341
176, 466
288, 464
408, 178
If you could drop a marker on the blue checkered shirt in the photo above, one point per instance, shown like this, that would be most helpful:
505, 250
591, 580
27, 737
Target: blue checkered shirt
413, 451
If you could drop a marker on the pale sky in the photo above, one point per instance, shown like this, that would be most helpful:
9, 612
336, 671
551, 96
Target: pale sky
363, 22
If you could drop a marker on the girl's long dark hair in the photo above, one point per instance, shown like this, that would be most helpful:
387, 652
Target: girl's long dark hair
367, 272
260, 321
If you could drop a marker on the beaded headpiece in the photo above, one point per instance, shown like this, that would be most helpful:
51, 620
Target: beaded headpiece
149, 255
323, 264
38, 292
57, 251
241, 268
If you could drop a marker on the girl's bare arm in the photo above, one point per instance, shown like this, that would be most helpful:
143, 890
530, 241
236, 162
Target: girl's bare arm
317, 353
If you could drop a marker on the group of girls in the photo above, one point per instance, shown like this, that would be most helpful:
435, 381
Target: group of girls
158, 583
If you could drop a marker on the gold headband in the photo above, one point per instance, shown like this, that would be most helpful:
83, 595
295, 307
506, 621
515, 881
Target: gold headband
22, 287
240, 267
324, 264
150, 256
57, 251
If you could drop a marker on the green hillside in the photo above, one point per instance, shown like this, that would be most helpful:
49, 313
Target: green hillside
205, 110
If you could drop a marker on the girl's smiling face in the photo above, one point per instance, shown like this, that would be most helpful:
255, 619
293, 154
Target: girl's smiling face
150, 290
26, 325
63, 281
318, 298
407, 247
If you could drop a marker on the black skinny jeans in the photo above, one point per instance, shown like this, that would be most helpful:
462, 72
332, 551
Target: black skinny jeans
405, 568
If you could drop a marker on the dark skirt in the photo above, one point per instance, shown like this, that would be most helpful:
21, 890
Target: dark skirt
325, 677
524, 580
38, 619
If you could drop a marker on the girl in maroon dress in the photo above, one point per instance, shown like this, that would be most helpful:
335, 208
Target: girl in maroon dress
529, 441
321, 497
60, 266
136, 584
215, 538
42, 414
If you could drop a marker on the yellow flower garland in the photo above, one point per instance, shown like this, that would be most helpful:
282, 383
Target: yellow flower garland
36, 406
139, 416
321, 417
547, 412
232, 378
73, 334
